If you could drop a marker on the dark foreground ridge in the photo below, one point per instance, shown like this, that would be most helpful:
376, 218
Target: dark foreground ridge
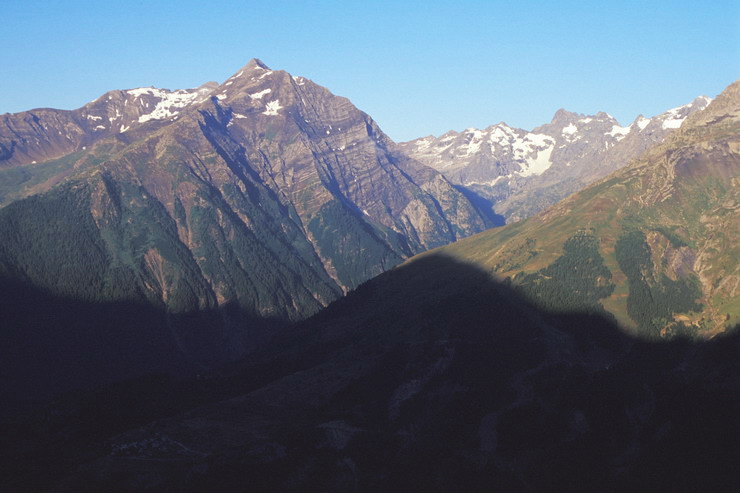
51, 344
430, 377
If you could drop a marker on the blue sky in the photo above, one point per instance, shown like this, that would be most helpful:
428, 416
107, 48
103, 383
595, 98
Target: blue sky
417, 67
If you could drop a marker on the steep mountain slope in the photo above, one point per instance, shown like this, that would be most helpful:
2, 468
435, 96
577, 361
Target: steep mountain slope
522, 173
655, 243
38, 136
435, 377
252, 208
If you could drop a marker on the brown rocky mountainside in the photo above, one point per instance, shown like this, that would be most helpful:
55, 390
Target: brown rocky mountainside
44, 134
252, 204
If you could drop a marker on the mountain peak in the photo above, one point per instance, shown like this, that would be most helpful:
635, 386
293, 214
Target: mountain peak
602, 115
565, 116
703, 100
256, 63
209, 85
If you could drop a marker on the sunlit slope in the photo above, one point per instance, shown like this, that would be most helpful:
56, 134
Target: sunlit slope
665, 228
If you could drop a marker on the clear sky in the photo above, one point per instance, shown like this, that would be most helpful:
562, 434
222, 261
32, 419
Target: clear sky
417, 67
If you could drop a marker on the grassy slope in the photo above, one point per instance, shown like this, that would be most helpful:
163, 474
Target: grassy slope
683, 192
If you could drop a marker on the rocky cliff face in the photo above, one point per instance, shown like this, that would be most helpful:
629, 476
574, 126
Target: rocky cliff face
326, 145
524, 172
252, 204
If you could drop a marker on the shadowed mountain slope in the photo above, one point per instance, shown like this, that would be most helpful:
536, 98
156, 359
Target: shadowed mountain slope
434, 376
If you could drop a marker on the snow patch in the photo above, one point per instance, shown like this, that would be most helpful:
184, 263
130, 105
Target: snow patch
93, 117
502, 135
673, 123
643, 122
675, 117
258, 95
619, 132
140, 91
422, 144
272, 108
170, 103
536, 151
570, 129
476, 138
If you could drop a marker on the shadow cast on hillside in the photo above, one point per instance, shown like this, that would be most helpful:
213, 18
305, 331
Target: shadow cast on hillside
451, 380
51, 344
469, 386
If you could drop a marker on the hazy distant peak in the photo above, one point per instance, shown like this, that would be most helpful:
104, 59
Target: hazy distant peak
211, 85
565, 116
255, 64
602, 115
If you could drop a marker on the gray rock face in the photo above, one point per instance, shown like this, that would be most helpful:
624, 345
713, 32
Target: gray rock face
525, 172
314, 147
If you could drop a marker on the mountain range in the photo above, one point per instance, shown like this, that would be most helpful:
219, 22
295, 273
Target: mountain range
521, 173
248, 284
442, 374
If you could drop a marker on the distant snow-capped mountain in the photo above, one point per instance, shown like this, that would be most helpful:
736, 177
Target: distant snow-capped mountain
523, 172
